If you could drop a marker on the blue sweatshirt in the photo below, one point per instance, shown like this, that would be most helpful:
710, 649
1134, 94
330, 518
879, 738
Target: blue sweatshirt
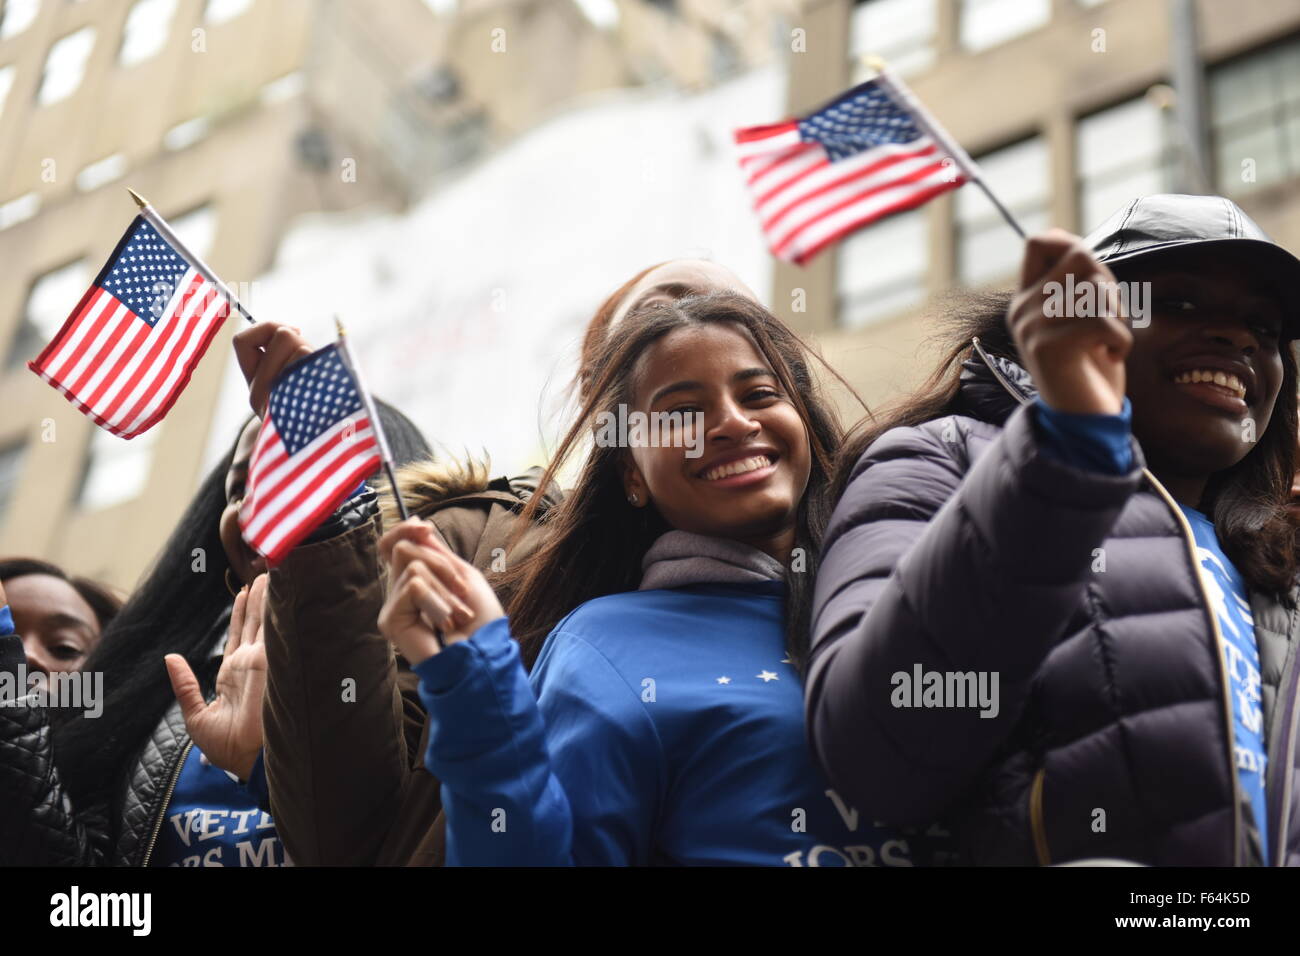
661, 727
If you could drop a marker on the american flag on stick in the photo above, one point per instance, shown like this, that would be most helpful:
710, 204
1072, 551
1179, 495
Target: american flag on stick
316, 444
129, 347
871, 152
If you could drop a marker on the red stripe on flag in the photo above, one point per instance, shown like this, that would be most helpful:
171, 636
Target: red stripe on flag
881, 164
148, 365
327, 507
268, 495
908, 202
107, 311
155, 385
912, 177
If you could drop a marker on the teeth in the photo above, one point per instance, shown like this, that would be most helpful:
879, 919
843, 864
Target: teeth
1212, 377
737, 467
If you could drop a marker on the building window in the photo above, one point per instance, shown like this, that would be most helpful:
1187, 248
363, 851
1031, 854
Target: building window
1255, 119
986, 23
219, 11
188, 133
882, 269
17, 16
11, 469
116, 469
196, 228
1121, 153
50, 301
987, 247
65, 66
603, 14
6, 84
19, 210
100, 173
147, 26
901, 32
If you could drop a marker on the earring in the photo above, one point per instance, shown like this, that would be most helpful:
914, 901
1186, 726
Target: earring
234, 592
631, 499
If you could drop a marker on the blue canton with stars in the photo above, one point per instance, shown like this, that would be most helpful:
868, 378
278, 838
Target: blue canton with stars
145, 273
861, 119
312, 397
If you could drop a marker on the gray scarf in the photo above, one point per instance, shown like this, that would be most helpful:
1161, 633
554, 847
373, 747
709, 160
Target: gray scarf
679, 558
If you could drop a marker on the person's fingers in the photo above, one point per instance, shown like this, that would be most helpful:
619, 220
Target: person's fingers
406, 553
424, 571
284, 347
253, 610
431, 604
185, 686
249, 345
1042, 251
413, 529
237, 613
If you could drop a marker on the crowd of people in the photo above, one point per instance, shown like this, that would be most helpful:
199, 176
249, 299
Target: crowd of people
1042, 610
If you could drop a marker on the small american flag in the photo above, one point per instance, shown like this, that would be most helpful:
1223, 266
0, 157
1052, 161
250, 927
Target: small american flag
129, 347
315, 446
860, 158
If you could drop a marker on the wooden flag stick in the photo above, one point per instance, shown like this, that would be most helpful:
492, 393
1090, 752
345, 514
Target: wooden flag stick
201, 267
904, 97
384, 451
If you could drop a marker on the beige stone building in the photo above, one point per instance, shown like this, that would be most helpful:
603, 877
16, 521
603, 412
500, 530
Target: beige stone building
235, 118
1052, 98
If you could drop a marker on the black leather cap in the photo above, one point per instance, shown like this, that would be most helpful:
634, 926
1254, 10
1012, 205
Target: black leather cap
1154, 226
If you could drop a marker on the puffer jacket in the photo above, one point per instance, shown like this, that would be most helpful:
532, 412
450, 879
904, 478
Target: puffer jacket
40, 824
959, 547
345, 730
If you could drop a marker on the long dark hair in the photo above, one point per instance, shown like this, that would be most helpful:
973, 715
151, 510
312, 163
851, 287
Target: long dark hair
1248, 502
180, 607
100, 597
595, 540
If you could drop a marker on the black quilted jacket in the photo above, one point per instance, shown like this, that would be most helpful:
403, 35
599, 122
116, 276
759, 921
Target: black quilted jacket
39, 824
958, 547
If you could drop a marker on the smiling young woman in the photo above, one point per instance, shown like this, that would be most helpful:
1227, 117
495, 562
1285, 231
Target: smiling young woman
1098, 514
662, 721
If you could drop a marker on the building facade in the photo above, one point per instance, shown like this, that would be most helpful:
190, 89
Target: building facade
1060, 102
237, 119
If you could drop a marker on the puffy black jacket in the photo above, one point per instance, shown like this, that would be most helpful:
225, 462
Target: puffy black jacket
39, 823
958, 547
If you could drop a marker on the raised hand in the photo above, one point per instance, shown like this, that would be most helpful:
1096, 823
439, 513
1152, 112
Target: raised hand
229, 728
263, 350
1077, 361
431, 587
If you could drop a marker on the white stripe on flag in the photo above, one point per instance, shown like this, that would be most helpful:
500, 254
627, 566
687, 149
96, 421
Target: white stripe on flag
812, 209
98, 303
829, 225
212, 314
162, 328
120, 313
282, 492
834, 172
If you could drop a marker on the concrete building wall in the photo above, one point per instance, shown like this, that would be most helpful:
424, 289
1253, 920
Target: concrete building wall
1040, 82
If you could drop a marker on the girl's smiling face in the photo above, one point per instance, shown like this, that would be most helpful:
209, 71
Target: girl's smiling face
1204, 376
755, 462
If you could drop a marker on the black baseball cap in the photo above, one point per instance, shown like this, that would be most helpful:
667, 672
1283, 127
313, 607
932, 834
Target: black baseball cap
1155, 227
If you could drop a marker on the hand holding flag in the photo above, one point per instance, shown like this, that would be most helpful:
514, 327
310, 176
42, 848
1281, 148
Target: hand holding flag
317, 442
